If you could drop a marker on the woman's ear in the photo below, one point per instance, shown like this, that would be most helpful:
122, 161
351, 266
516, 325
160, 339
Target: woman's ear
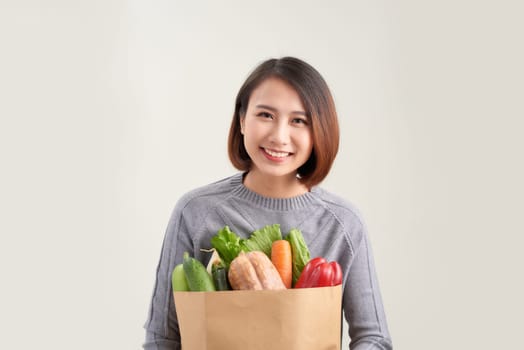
242, 119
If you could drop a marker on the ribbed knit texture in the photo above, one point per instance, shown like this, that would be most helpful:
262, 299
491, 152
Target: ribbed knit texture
331, 226
278, 204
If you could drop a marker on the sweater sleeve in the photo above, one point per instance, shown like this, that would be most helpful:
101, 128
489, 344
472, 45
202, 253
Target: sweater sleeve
161, 327
362, 300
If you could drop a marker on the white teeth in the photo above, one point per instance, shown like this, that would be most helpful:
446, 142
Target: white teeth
276, 154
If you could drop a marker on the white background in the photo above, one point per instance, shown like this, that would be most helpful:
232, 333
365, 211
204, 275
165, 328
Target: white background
111, 110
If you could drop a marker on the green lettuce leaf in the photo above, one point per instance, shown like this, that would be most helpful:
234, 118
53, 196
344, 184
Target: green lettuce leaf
262, 239
299, 252
227, 244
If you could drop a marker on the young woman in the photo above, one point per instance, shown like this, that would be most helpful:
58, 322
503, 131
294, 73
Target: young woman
283, 138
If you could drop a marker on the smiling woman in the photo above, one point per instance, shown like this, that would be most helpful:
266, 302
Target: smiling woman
283, 138
277, 138
296, 89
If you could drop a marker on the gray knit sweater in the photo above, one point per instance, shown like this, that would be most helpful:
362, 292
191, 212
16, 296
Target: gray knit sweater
332, 228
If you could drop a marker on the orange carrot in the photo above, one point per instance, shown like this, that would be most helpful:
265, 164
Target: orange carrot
281, 258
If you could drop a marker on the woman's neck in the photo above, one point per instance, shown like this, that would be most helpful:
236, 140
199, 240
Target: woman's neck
274, 186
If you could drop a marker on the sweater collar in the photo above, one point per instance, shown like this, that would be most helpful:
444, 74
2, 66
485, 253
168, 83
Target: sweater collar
281, 204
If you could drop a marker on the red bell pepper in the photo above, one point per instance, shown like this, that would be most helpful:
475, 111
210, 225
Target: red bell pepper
320, 273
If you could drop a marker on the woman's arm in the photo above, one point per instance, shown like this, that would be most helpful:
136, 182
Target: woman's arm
362, 300
161, 327
156, 342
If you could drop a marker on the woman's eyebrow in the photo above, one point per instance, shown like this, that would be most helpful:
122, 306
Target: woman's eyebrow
273, 109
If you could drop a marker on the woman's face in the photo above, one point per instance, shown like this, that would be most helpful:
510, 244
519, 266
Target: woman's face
277, 132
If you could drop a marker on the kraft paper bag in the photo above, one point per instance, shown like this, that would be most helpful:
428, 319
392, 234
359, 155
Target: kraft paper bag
292, 319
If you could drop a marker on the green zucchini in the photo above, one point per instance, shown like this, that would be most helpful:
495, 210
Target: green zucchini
198, 279
178, 279
219, 273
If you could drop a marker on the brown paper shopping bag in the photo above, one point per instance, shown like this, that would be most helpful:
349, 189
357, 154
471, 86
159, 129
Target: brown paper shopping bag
293, 319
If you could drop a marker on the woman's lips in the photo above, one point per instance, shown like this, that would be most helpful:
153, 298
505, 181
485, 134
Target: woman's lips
278, 154
274, 155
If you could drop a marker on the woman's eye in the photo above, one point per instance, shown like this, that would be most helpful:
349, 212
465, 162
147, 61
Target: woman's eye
265, 115
300, 121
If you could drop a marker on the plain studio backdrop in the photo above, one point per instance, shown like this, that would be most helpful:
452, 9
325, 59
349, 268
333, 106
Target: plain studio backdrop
111, 110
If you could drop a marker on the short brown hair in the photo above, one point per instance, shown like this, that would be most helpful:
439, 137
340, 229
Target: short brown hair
320, 109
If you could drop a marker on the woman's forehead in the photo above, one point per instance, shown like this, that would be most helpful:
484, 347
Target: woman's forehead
277, 94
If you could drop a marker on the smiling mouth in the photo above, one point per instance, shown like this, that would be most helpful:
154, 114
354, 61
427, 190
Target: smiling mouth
276, 154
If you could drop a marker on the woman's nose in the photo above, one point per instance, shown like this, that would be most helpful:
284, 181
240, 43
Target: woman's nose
280, 133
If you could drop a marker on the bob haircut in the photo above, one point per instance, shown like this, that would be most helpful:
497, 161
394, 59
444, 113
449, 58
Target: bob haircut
320, 110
